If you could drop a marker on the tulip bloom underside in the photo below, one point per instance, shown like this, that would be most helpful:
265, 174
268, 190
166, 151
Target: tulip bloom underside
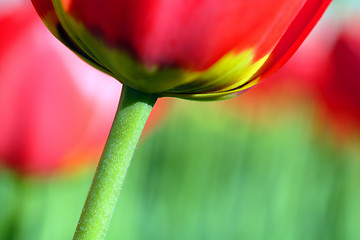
196, 49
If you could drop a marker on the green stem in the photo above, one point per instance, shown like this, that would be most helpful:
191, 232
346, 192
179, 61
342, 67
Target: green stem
130, 119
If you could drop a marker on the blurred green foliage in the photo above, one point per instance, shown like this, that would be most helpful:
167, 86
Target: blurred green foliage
207, 174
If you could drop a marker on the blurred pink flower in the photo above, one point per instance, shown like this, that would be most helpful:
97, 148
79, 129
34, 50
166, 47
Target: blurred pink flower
55, 111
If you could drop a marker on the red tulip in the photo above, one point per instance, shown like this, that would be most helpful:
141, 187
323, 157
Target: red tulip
197, 49
55, 112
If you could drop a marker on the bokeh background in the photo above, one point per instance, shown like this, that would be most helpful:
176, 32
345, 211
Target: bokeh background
281, 161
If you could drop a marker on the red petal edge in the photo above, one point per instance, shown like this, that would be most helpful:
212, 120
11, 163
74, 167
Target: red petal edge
298, 30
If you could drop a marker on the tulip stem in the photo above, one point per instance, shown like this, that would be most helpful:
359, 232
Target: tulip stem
131, 116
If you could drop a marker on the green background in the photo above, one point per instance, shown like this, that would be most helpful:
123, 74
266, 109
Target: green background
207, 173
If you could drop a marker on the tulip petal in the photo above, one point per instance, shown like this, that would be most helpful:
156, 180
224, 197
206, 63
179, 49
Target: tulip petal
294, 35
192, 34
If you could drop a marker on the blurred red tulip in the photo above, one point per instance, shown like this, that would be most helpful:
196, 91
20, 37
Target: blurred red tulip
55, 111
191, 49
340, 80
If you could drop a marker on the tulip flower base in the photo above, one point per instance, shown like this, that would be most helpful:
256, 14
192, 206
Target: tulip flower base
232, 74
133, 111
